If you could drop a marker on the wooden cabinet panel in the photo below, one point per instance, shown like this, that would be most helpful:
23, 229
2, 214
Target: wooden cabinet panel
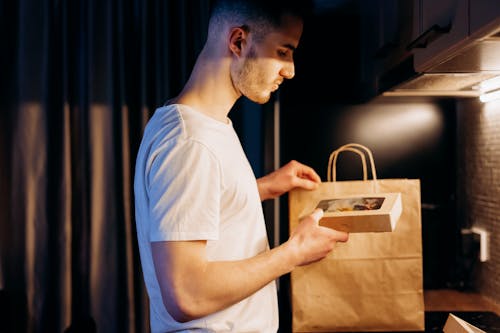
444, 26
484, 15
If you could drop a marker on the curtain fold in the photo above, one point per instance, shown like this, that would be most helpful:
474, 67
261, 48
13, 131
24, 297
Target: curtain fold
78, 81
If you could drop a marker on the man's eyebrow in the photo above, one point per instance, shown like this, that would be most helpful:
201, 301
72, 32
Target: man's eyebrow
290, 46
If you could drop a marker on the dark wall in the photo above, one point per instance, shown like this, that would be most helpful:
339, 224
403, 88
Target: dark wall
326, 106
408, 140
479, 186
328, 58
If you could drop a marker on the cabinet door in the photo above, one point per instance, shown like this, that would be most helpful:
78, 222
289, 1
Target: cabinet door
444, 24
395, 27
484, 16
378, 36
387, 26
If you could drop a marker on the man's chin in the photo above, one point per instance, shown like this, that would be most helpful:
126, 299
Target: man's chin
260, 99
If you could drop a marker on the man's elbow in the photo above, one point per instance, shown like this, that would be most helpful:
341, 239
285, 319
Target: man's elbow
183, 309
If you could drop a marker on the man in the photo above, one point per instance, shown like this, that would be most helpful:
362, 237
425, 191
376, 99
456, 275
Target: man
201, 232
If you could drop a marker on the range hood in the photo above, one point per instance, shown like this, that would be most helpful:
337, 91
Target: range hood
458, 71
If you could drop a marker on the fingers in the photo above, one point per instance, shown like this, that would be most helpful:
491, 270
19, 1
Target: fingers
338, 236
335, 235
303, 171
312, 241
317, 214
307, 178
309, 173
306, 184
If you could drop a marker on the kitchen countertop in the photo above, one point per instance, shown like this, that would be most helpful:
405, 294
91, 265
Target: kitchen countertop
486, 321
435, 321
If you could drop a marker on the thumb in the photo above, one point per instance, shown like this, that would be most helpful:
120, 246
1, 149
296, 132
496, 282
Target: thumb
317, 214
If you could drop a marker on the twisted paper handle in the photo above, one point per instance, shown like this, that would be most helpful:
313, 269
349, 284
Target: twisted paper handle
358, 149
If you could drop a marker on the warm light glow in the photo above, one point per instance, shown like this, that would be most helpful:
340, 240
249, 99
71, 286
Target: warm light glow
491, 112
490, 84
490, 96
398, 130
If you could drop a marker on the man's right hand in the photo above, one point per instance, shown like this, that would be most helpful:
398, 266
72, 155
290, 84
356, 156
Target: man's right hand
312, 242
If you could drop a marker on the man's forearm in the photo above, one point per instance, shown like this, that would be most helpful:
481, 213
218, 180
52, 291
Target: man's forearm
200, 288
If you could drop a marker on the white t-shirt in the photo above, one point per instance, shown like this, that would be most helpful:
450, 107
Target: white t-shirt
193, 182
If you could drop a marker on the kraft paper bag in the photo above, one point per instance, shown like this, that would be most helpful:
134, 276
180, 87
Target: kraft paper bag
374, 281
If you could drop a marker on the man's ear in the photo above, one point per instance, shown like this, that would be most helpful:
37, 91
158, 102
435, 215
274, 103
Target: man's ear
237, 40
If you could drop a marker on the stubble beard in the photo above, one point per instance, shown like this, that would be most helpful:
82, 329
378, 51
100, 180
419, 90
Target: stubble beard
249, 79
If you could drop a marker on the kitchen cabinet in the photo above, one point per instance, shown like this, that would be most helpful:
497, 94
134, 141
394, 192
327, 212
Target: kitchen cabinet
387, 26
444, 36
484, 16
447, 26
444, 27
424, 40
394, 30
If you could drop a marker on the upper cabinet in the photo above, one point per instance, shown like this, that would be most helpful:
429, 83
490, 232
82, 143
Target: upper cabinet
443, 26
387, 27
411, 43
484, 16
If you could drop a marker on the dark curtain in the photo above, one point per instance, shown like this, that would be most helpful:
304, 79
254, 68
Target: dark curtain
78, 81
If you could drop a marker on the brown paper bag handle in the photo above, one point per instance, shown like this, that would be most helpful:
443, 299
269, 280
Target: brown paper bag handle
355, 146
332, 163
333, 156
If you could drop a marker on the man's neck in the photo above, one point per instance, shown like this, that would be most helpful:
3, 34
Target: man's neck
209, 88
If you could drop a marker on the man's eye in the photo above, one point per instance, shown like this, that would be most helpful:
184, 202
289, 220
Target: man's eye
282, 53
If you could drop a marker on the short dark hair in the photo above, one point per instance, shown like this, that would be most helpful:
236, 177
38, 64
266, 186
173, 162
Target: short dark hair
257, 16
270, 11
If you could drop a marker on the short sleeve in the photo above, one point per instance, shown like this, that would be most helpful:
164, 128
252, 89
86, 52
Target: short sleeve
184, 191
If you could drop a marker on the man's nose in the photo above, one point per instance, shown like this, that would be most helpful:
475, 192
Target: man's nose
288, 71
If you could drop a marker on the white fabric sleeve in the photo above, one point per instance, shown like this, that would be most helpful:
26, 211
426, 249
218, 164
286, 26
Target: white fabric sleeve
184, 186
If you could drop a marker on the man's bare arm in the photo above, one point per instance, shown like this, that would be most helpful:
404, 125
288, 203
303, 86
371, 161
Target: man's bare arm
193, 287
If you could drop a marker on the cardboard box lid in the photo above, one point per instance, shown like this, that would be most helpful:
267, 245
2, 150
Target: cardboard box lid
375, 212
456, 325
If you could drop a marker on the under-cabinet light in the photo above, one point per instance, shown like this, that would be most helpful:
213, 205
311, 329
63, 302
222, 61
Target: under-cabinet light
490, 84
490, 96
